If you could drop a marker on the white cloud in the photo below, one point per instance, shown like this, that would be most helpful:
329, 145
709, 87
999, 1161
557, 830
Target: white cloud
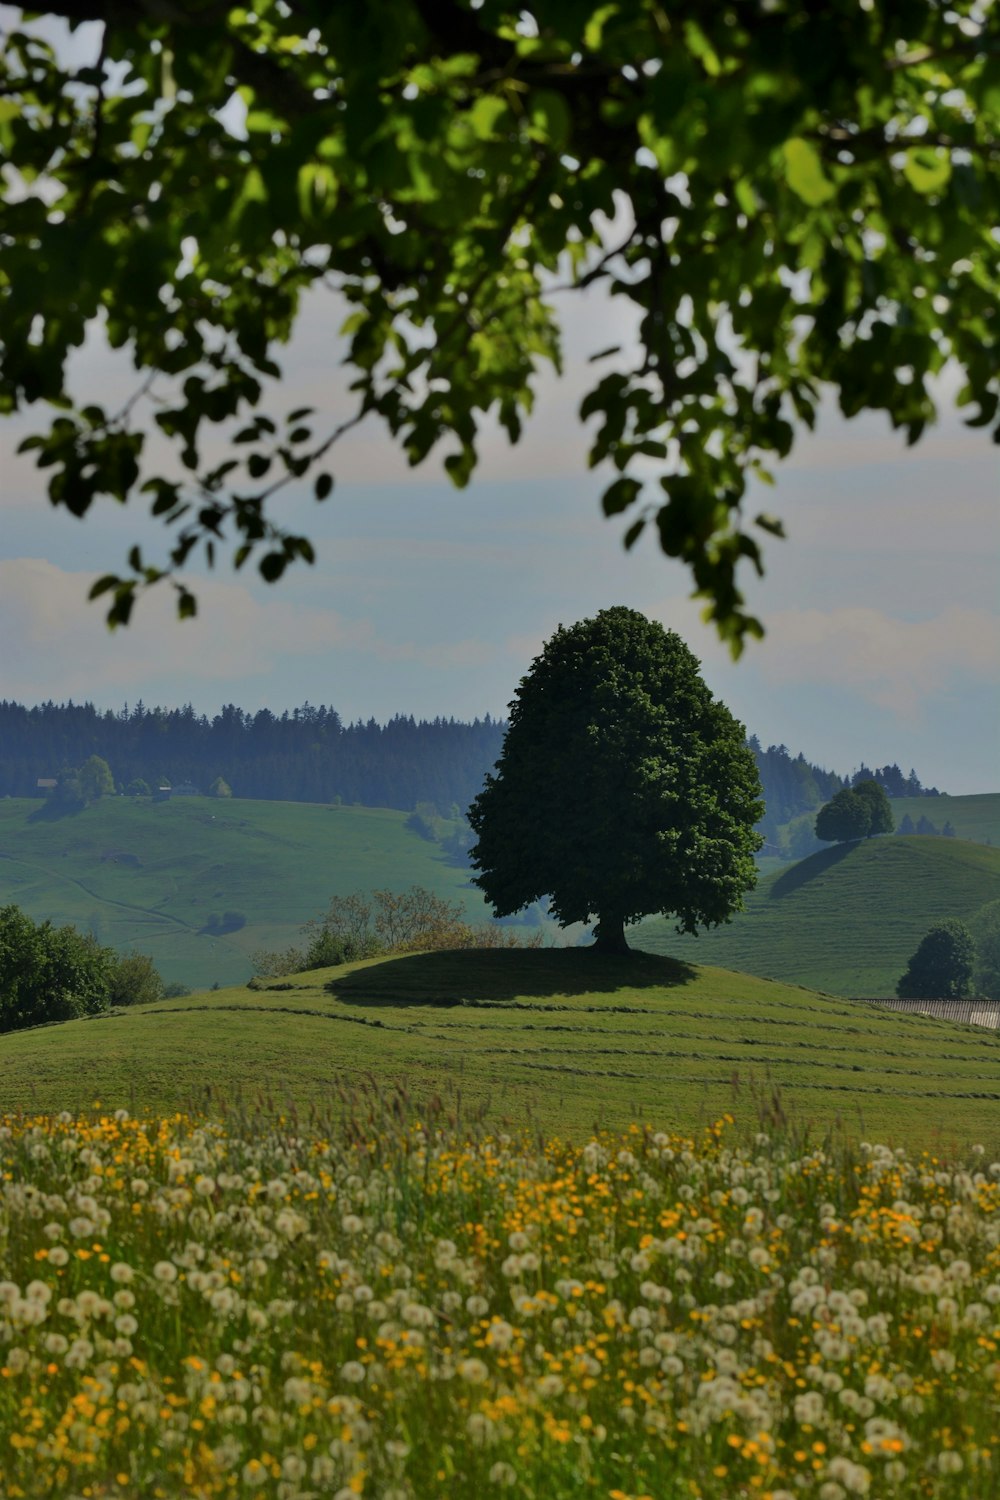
898, 665
64, 648
64, 644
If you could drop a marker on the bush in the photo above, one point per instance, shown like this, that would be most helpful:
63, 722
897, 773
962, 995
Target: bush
384, 922
134, 980
49, 973
271, 963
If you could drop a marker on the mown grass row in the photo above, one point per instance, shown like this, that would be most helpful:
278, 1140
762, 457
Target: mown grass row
561, 1037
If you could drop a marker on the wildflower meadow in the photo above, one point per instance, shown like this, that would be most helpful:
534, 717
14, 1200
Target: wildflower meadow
190, 1308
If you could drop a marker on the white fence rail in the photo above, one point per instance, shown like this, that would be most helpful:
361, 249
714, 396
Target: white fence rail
972, 1012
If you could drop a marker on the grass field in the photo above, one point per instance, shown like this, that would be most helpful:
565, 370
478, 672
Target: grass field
561, 1037
976, 818
149, 875
848, 919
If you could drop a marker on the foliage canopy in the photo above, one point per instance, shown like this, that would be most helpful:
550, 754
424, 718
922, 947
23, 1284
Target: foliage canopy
854, 813
985, 929
623, 787
943, 965
787, 196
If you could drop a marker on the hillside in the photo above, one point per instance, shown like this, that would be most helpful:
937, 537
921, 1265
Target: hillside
976, 818
561, 1037
848, 919
150, 875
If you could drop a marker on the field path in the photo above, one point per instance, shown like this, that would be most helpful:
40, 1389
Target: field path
131, 906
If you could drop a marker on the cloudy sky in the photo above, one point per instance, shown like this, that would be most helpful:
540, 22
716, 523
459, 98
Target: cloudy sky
882, 608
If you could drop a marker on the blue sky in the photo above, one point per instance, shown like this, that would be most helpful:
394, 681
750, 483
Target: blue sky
882, 608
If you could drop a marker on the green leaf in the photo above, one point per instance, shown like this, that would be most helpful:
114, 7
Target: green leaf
927, 169
804, 172
550, 118
620, 495
773, 524
485, 114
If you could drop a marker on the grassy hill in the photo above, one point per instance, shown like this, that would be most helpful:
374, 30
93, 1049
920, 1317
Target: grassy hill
563, 1037
150, 875
848, 919
975, 818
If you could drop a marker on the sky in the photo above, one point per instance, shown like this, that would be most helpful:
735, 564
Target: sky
882, 608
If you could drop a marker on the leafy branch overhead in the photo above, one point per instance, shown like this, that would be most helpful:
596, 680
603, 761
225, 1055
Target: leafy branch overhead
789, 196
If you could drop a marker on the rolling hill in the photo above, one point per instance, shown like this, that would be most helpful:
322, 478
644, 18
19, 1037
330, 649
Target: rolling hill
976, 818
151, 875
563, 1038
846, 920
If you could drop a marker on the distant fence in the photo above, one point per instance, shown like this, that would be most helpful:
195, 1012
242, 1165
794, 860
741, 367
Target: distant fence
973, 1012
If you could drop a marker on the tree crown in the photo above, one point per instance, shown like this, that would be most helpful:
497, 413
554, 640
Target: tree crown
623, 786
788, 196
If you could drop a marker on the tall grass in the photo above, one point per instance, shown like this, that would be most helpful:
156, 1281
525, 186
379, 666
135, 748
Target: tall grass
385, 1306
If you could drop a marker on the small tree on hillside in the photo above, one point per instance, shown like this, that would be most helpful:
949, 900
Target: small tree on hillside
846, 817
880, 809
906, 825
925, 826
985, 929
943, 965
96, 780
623, 787
220, 788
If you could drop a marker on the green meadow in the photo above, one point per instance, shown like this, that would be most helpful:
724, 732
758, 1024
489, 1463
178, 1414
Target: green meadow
845, 920
975, 817
150, 875
561, 1037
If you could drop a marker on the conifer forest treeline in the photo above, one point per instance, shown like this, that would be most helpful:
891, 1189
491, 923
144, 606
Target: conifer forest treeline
310, 755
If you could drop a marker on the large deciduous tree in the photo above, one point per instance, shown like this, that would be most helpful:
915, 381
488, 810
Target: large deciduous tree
789, 197
623, 787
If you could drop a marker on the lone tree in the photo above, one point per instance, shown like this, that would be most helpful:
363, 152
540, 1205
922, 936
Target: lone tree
789, 198
623, 787
844, 818
880, 819
942, 967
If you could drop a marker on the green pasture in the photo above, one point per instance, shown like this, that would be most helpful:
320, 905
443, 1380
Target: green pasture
976, 818
148, 875
561, 1037
845, 920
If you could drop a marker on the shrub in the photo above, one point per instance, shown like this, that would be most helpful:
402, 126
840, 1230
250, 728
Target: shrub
49, 973
134, 981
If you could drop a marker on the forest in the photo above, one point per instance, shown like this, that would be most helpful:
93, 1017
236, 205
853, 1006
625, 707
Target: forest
309, 754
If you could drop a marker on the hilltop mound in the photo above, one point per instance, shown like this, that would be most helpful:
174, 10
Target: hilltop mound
845, 920
564, 1039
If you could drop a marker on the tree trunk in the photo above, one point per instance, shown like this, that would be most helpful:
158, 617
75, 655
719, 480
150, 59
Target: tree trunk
609, 936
